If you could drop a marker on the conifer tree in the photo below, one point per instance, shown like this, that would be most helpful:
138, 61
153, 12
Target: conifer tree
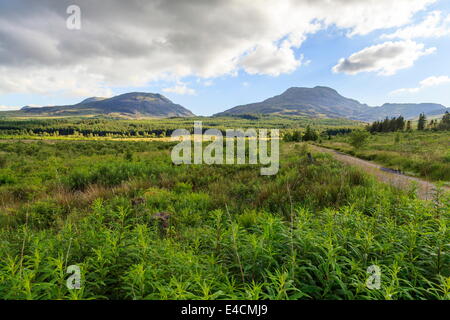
422, 122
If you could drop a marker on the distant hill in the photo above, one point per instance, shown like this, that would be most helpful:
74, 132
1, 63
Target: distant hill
438, 113
407, 110
318, 102
324, 102
134, 104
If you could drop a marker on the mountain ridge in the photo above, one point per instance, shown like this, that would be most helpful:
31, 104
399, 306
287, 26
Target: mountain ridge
326, 102
316, 102
132, 104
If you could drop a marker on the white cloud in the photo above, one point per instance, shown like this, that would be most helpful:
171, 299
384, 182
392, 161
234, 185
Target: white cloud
364, 16
270, 60
434, 26
69, 82
181, 89
385, 59
133, 43
428, 82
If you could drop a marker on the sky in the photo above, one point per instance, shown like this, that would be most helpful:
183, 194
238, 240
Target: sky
212, 55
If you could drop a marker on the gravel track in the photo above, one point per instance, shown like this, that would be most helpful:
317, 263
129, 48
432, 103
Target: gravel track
425, 189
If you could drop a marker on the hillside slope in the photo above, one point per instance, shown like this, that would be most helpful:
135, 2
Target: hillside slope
318, 102
324, 102
132, 104
407, 110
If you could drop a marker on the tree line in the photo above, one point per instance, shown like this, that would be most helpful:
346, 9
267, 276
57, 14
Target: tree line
399, 124
309, 135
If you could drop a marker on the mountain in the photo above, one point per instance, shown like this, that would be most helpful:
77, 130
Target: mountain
318, 102
134, 104
324, 102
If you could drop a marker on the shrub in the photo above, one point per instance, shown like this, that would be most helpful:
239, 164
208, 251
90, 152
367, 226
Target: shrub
359, 138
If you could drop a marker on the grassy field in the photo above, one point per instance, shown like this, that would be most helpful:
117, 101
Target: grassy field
140, 227
421, 153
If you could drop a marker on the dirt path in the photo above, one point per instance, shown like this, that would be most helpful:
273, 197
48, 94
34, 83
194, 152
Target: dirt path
425, 190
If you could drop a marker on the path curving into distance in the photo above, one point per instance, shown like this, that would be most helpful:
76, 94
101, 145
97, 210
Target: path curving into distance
425, 189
